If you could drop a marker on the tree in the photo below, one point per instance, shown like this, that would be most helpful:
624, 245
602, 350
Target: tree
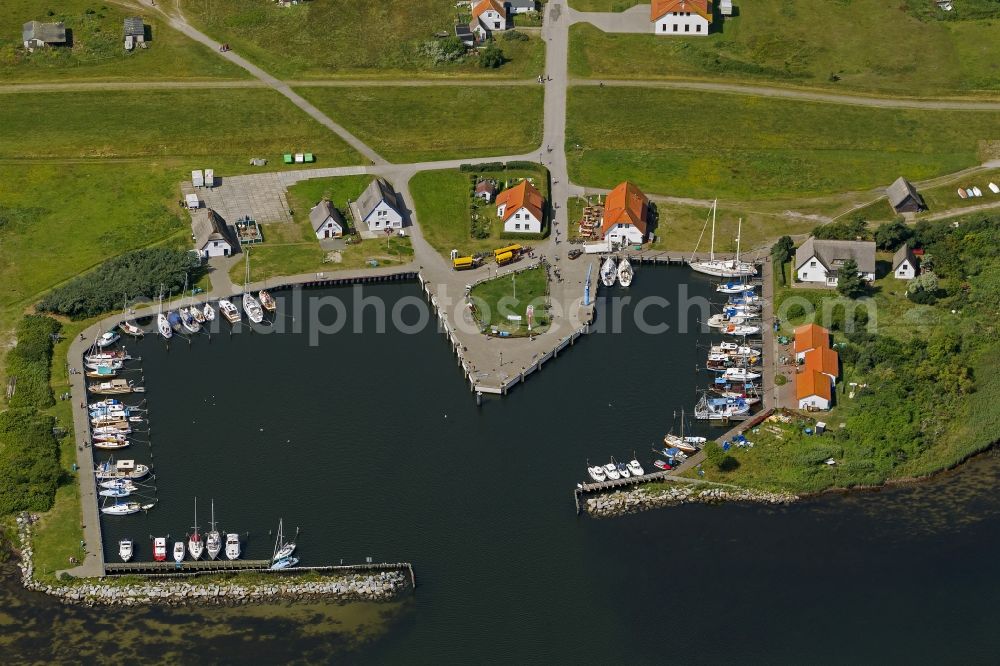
891, 235
781, 252
491, 57
849, 229
849, 283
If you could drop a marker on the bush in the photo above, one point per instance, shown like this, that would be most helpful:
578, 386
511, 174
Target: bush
491, 57
30, 362
847, 229
139, 273
780, 380
29, 461
891, 235
514, 36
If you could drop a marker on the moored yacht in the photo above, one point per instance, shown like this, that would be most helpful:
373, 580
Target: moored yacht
107, 339
160, 549
727, 268
125, 549
266, 300
213, 540
635, 468
208, 312
597, 473
625, 273
232, 546
252, 308
229, 311
195, 545
609, 272
121, 509
178, 551
612, 472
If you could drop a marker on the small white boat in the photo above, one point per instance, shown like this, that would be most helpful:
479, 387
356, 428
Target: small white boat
121, 509
251, 306
118, 483
625, 273
609, 272
131, 328
969, 192
734, 288
115, 492
101, 372
993, 188
160, 549
208, 312
740, 374
195, 545
285, 563
612, 472
112, 430
178, 551
107, 356
978, 192
741, 329
635, 468
282, 549
213, 540
107, 402
229, 311
623, 470
232, 546
680, 443
125, 549
597, 473
111, 445
188, 321
107, 339
164, 326
123, 469
197, 313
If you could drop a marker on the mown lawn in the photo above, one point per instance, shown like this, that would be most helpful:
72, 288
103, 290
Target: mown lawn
352, 39
441, 199
699, 144
219, 128
97, 50
860, 45
406, 124
604, 5
511, 294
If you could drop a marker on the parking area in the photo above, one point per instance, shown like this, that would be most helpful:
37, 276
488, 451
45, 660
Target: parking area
261, 196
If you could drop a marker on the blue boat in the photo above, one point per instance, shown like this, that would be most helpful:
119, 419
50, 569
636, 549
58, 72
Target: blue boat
175, 321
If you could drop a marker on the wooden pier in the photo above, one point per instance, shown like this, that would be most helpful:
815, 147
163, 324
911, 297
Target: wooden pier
601, 486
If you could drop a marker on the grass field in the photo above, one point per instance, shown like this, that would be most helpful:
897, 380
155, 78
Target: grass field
441, 199
757, 148
861, 45
226, 127
511, 294
406, 124
941, 198
351, 38
97, 50
604, 5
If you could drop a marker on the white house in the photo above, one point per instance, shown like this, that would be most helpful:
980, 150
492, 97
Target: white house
813, 390
904, 264
818, 260
379, 207
326, 221
520, 6
625, 215
681, 18
521, 209
488, 16
212, 237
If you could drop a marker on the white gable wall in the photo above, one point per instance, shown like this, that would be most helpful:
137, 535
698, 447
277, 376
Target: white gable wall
382, 216
624, 233
814, 401
905, 271
682, 24
522, 221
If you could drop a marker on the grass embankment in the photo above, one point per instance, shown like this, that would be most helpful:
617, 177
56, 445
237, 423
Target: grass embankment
290, 249
407, 124
97, 51
221, 129
925, 378
511, 294
734, 146
442, 200
864, 45
352, 39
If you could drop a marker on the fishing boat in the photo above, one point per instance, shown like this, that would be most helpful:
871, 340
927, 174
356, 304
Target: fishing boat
159, 549
195, 545
232, 546
208, 312
609, 272
117, 483
121, 509
178, 551
125, 549
727, 268
597, 473
101, 372
107, 402
229, 311
635, 468
123, 469
734, 349
112, 430
251, 306
282, 549
285, 563
111, 444
213, 540
107, 339
188, 321
976, 191
98, 364
114, 387
625, 273
720, 409
611, 471
267, 301
740, 374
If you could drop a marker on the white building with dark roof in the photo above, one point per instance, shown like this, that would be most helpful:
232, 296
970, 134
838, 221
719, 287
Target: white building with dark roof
36, 34
818, 261
212, 236
904, 263
326, 220
379, 207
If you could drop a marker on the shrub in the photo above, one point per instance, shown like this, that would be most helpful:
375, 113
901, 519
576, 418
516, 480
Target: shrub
30, 360
891, 235
491, 57
514, 36
780, 380
29, 461
848, 229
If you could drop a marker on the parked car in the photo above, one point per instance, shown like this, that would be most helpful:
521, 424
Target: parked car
573, 254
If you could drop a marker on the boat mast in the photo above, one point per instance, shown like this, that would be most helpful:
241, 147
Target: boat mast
195, 526
277, 541
213, 515
711, 253
739, 232
700, 236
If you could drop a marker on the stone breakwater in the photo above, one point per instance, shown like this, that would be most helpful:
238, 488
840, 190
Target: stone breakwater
369, 586
643, 499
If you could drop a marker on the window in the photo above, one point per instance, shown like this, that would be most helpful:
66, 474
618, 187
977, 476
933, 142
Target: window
664, 25
812, 264
697, 28
675, 27
687, 28
517, 226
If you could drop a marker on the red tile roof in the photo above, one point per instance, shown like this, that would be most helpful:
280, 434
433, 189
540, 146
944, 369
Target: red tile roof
659, 8
522, 195
823, 359
811, 336
625, 204
810, 383
486, 5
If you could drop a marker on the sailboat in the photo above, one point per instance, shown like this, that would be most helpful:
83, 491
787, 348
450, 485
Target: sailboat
208, 312
250, 304
188, 319
195, 544
609, 272
727, 268
161, 319
127, 326
624, 272
684, 443
213, 541
282, 550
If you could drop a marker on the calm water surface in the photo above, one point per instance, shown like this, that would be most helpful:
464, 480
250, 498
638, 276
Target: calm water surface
372, 445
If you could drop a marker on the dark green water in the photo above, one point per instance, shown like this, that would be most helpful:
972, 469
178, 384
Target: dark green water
372, 444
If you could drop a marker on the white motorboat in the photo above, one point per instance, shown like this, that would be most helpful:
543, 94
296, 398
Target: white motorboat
197, 313
625, 273
213, 540
208, 312
229, 311
282, 549
160, 549
111, 445
107, 402
969, 192
635, 468
118, 483
622, 469
726, 268
251, 306
188, 321
101, 365
741, 329
740, 374
121, 509
232, 546
101, 372
115, 492
125, 549
723, 320
107, 339
734, 288
734, 349
285, 563
195, 545
178, 551
978, 192
612, 472
609, 272
123, 469
597, 473
720, 409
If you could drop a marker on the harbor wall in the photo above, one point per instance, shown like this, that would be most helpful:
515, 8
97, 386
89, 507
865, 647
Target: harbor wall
645, 498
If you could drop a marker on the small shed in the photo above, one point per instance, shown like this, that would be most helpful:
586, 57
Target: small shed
135, 32
197, 178
37, 34
486, 190
465, 35
903, 197
726, 7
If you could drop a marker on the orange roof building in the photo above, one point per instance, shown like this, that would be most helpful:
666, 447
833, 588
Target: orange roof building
810, 336
681, 17
520, 208
487, 17
626, 210
813, 389
825, 360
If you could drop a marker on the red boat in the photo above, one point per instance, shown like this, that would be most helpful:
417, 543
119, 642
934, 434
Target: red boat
662, 464
159, 549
